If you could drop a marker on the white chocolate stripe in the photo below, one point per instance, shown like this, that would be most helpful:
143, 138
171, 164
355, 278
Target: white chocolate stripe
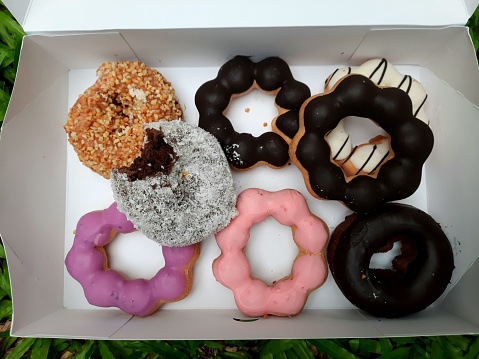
384, 74
339, 142
379, 163
335, 157
368, 157
384, 64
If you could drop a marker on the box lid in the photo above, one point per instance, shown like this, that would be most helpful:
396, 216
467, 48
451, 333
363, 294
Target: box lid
40, 16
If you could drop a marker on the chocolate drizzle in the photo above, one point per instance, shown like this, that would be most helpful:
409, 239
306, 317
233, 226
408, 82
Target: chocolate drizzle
419, 275
420, 106
391, 109
235, 77
156, 157
409, 83
384, 64
341, 148
367, 160
379, 163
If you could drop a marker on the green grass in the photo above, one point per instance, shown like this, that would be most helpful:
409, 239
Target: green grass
11, 35
444, 347
473, 24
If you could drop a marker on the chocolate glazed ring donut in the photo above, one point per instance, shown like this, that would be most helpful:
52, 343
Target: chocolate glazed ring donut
236, 77
411, 285
391, 109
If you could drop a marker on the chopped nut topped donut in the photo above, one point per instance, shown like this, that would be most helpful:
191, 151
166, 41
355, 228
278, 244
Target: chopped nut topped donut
105, 125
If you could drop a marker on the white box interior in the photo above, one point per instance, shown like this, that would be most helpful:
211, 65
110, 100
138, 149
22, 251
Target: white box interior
45, 189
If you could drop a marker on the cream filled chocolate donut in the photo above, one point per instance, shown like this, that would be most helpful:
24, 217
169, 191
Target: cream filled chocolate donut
180, 190
235, 78
419, 275
287, 296
105, 125
366, 158
104, 287
356, 95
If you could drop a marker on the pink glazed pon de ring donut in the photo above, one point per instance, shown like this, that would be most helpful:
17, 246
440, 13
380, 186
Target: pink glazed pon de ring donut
104, 287
287, 296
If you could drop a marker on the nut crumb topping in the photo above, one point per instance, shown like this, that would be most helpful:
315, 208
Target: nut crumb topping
105, 125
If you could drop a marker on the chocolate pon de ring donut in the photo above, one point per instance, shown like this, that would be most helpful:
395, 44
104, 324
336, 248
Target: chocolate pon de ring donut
419, 275
235, 78
391, 109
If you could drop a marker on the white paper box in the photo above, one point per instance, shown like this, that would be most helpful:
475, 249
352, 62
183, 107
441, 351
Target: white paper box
44, 189
87, 15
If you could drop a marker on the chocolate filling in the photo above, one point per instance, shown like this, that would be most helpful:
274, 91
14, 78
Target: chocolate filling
157, 157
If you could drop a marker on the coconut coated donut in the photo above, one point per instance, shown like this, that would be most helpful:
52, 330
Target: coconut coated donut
105, 125
419, 275
366, 158
235, 78
287, 296
391, 109
87, 262
180, 190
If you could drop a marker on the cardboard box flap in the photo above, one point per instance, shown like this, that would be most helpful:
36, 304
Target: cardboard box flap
19, 9
87, 15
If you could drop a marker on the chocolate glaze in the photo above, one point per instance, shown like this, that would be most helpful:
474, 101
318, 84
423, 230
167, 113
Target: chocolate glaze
411, 141
156, 157
235, 77
391, 293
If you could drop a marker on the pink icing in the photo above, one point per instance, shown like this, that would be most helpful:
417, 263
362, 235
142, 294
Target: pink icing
232, 269
108, 288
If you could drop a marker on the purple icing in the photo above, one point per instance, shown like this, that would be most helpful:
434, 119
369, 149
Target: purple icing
108, 288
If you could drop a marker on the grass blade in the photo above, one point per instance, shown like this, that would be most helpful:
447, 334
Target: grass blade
18, 351
449, 349
86, 350
368, 346
40, 349
473, 352
301, 348
104, 351
398, 353
332, 349
5, 310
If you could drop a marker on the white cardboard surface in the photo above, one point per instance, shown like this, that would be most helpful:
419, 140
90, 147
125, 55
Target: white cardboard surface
69, 190
88, 15
271, 252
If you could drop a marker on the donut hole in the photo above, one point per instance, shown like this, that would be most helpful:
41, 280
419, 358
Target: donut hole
394, 258
383, 260
360, 147
362, 130
134, 255
271, 251
252, 112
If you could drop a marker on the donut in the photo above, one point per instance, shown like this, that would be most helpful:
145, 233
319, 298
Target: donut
419, 275
235, 78
383, 73
356, 95
179, 191
104, 287
287, 296
105, 125
357, 159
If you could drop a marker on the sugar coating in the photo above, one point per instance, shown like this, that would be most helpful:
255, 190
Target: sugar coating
193, 202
